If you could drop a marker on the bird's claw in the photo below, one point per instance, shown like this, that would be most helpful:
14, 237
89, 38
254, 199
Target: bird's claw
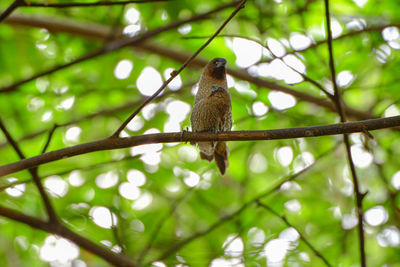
184, 130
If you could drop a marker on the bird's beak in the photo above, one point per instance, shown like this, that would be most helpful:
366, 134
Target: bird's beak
221, 63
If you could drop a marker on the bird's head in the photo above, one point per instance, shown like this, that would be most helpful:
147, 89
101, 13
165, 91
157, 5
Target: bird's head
216, 68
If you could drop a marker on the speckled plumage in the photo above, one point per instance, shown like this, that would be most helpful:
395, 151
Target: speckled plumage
213, 74
212, 112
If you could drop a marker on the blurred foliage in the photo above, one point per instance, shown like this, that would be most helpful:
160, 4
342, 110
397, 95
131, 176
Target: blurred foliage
318, 203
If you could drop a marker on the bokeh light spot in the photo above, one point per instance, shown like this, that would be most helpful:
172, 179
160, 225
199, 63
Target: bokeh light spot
56, 186
123, 69
247, 52
281, 101
376, 216
149, 81
102, 217
285, 155
259, 108
73, 134
17, 190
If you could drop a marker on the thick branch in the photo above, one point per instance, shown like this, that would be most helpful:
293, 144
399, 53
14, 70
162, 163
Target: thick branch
114, 143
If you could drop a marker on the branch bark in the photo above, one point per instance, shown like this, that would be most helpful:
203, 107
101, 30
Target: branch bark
34, 173
10, 9
61, 230
338, 101
305, 240
115, 143
93, 4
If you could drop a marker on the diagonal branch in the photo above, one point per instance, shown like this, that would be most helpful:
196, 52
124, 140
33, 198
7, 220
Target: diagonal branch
316, 252
33, 171
115, 143
118, 44
339, 106
61, 230
176, 73
49, 137
10, 9
234, 214
98, 3
220, 222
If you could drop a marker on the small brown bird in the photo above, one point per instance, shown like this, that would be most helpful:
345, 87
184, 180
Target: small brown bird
213, 113
213, 74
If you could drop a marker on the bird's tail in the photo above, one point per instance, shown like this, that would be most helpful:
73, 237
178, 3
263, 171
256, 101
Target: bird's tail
221, 156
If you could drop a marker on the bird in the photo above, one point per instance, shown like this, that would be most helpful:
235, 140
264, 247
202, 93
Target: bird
213, 113
214, 73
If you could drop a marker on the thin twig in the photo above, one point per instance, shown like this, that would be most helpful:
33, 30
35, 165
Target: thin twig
115, 143
10, 9
114, 230
118, 44
338, 102
316, 252
51, 132
176, 73
33, 171
99, 3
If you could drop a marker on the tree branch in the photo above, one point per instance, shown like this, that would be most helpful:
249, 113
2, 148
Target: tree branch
232, 215
33, 171
339, 107
118, 44
51, 132
220, 222
98, 3
61, 230
10, 9
176, 72
316, 252
114, 143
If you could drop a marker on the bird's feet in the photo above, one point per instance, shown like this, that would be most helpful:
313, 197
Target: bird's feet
184, 130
